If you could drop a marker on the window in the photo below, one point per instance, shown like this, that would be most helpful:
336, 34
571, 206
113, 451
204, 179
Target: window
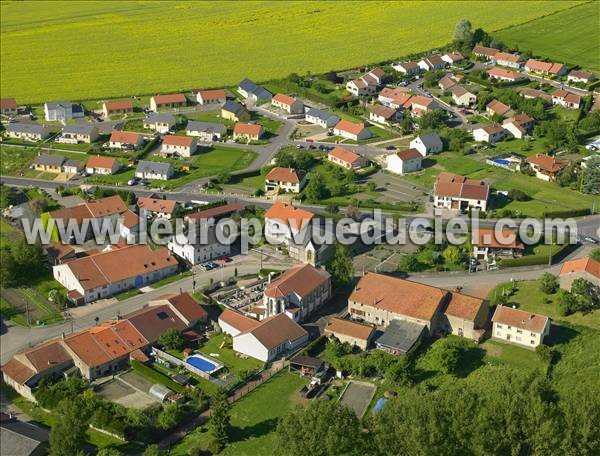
519, 331
498, 326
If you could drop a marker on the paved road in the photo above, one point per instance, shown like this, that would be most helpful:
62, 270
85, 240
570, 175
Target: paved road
18, 338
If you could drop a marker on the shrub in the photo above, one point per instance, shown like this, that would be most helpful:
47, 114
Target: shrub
518, 195
548, 283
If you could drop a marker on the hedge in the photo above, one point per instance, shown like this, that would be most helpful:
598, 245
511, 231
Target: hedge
531, 260
566, 213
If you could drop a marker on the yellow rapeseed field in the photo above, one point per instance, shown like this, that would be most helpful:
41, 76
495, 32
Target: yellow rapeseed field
86, 49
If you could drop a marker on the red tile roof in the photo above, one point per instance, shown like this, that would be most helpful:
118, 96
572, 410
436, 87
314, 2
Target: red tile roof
398, 96
290, 215
382, 111
215, 94
547, 163
284, 99
421, 101
498, 107
151, 321
125, 137
216, 211
17, 371
487, 51
349, 328
188, 307
464, 306
588, 265
569, 97
120, 264
101, 162
274, 331
238, 320
455, 186
168, 99
488, 238
156, 204
118, 105
344, 155
409, 154
8, 103
507, 57
301, 280
498, 72
288, 175
350, 127
173, 140
398, 296
247, 129
520, 319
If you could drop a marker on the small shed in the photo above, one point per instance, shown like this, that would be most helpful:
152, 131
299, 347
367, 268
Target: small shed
160, 392
306, 365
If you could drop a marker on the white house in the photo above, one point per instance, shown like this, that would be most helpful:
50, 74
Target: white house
367, 84
125, 140
407, 68
102, 165
502, 74
205, 246
427, 143
394, 98
297, 293
284, 221
452, 57
271, 339
289, 104
322, 118
178, 146
489, 133
206, 131
285, 179
460, 194
462, 97
154, 170
566, 99
351, 130
161, 123
432, 63
384, 114
519, 327
406, 161
519, 126
216, 96
62, 111
581, 76
346, 158
156, 207
107, 273
508, 60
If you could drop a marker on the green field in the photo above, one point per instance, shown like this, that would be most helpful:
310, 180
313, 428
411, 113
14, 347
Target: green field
567, 36
253, 419
112, 49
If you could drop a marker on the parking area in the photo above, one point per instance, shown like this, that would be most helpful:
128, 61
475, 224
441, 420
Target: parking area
358, 396
395, 188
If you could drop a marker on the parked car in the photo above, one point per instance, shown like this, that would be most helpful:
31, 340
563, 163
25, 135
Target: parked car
390, 148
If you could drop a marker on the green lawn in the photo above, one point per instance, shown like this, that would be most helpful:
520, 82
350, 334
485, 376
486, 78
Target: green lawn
563, 36
227, 356
253, 418
15, 160
127, 294
155, 377
528, 296
501, 353
49, 35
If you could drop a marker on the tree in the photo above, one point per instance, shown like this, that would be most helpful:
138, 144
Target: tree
548, 283
108, 452
409, 263
152, 450
591, 176
516, 194
315, 190
406, 125
340, 265
324, 428
433, 120
454, 254
544, 353
445, 355
23, 263
595, 254
220, 419
566, 302
332, 208
7, 196
400, 373
463, 34
171, 339
67, 435
170, 416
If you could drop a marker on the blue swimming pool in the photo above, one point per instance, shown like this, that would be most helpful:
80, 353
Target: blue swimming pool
501, 161
200, 362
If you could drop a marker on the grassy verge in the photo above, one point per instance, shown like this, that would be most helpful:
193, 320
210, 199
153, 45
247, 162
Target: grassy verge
171, 279
127, 294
